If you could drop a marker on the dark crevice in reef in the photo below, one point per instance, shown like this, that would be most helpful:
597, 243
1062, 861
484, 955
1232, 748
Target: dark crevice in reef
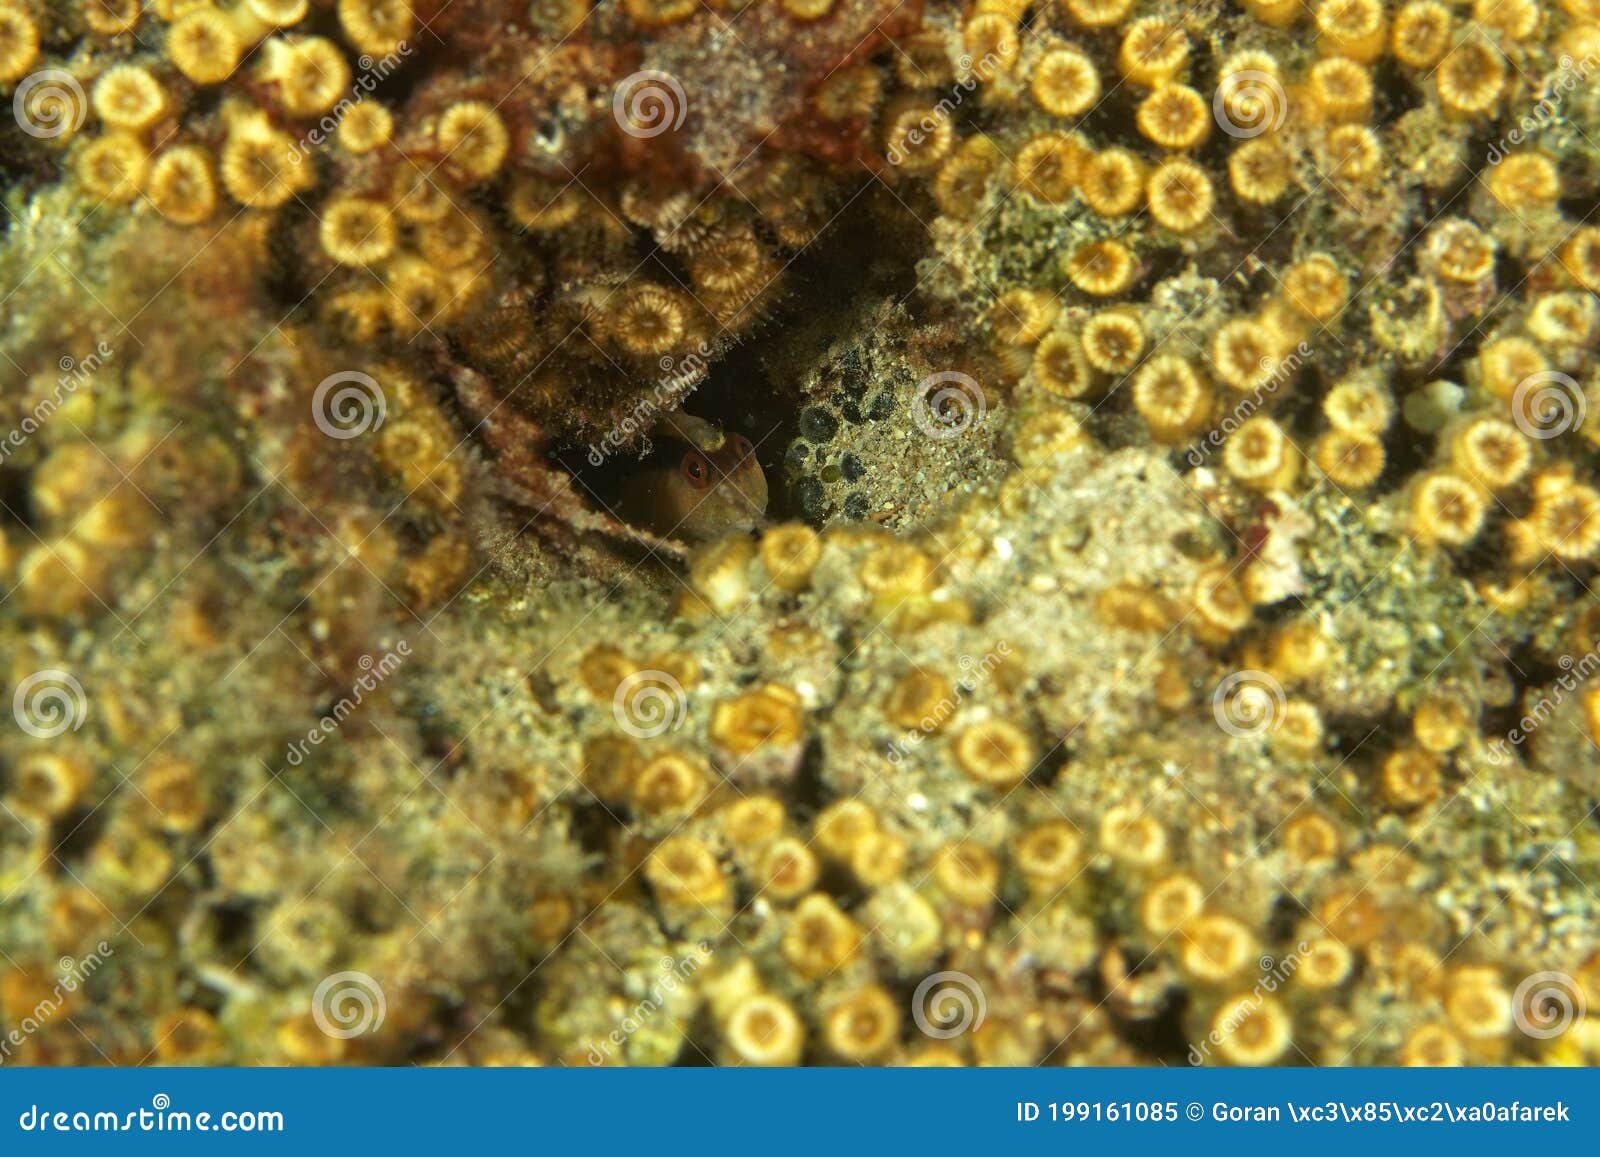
752, 389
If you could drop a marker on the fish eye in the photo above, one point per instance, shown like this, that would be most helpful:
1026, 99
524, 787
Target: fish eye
695, 470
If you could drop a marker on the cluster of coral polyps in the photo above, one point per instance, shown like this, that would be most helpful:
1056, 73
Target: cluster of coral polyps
1239, 715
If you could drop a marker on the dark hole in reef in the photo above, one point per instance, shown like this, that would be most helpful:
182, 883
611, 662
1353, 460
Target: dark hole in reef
16, 508
749, 389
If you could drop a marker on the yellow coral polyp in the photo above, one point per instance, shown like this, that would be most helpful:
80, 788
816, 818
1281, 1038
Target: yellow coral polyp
1580, 257
261, 166
820, 938
205, 46
1113, 341
863, 1026
1060, 368
683, 871
1524, 179
764, 1031
474, 139
1103, 268
1244, 354
1351, 461
1421, 33
769, 716
672, 783
1020, 317
1047, 856
1111, 182
1341, 88
181, 185
110, 168
1446, 509
1153, 51
1170, 397
357, 231
649, 320
48, 786
1169, 904
790, 552
1065, 82
1359, 406
129, 97
1353, 28
1174, 116
1251, 1029
1049, 165
1180, 195
991, 41
967, 874
1316, 287
1492, 453
1259, 454
19, 43
994, 752
1259, 171
310, 73
1470, 78
916, 137
376, 27
1133, 837
1213, 948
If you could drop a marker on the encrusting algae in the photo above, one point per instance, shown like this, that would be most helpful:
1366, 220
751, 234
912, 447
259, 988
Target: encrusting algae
650, 533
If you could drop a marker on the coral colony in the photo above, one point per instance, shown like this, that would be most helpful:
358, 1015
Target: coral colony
800, 531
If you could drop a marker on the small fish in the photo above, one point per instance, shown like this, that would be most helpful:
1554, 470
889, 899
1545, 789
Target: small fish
706, 484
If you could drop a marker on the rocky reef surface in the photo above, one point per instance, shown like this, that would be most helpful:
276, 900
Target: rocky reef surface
1169, 640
